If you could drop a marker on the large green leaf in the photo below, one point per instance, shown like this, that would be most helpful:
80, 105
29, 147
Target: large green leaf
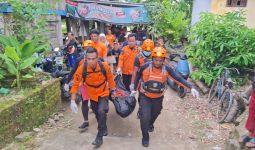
11, 53
28, 62
4, 40
3, 57
14, 43
41, 48
2, 73
9, 41
11, 68
10, 64
27, 49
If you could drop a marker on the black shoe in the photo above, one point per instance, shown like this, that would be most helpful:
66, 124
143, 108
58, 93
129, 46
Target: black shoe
151, 128
105, 132
84, 125
98, 141
145, 143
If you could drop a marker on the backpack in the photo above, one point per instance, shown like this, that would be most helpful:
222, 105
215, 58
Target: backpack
85, 73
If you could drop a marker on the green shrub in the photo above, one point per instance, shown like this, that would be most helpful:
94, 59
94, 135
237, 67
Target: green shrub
169, 19
219, 41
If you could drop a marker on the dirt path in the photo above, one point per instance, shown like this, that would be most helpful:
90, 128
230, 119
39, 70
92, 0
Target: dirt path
183, 124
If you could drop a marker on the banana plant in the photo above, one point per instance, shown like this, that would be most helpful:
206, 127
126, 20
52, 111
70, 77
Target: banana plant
17, 58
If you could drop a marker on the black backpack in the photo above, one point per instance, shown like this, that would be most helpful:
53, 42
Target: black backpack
85, 73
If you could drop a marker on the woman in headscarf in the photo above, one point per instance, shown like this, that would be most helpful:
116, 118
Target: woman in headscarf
110, 58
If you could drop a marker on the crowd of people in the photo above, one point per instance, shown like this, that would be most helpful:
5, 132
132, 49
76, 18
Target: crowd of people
143, 68
142, 64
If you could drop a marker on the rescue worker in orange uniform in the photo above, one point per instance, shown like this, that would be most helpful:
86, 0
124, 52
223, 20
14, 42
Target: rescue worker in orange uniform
143, 57
110, 38
87, 43
100, 47
127, 59
98, 78
80, 60
153, 76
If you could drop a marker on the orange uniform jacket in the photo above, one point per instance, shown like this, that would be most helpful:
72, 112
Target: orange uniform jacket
139, 61
127, 59
95, 77
101, 49
110, 38
144, 73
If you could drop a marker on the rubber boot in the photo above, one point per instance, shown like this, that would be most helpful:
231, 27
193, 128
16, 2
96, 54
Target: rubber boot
98, 141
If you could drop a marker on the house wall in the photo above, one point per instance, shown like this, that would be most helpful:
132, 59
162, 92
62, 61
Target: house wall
55, 32
55, 35
251, 13
219, 7
198, 7
55, 25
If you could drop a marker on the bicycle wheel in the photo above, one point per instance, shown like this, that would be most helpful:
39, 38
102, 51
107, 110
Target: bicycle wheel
232, 112
214, 89
237, 108
224, 106
212, 102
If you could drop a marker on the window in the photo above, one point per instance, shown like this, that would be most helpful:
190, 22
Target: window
236, 3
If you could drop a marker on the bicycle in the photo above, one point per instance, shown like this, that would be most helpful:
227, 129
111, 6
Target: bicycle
222, 88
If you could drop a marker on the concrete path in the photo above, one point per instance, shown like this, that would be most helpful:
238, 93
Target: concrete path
179, 127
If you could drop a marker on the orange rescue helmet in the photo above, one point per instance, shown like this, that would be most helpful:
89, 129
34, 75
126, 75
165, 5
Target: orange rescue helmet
159, 52
148, 45
88, 43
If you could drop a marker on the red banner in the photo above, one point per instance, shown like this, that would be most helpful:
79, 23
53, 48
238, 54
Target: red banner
71, 3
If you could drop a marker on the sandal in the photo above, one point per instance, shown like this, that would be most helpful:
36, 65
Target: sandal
251, 143
244, 139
